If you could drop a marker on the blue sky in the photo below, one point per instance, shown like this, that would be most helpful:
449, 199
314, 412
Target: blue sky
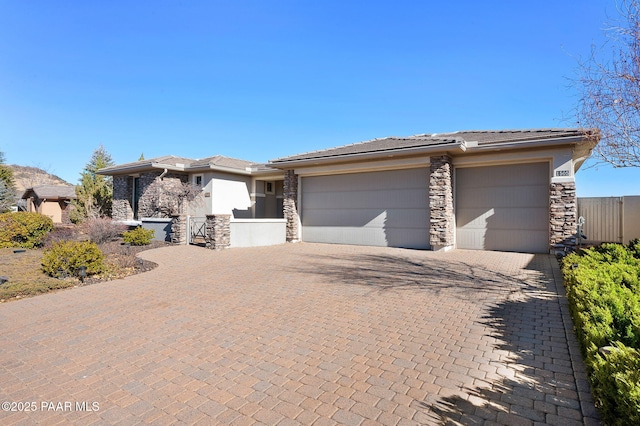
263, 79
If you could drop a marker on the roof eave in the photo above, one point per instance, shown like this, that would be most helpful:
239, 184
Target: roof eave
536, 143
457, 146
121, 170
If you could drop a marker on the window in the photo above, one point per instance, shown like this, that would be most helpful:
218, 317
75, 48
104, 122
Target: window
197, 180
270, 188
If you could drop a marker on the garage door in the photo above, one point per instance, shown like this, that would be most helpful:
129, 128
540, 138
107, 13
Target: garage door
387, 208
503, 208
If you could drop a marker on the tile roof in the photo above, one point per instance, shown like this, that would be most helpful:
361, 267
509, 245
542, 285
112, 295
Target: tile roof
222, 161
51, 192
483, 137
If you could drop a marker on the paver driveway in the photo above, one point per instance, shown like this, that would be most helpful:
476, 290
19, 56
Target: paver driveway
300, 334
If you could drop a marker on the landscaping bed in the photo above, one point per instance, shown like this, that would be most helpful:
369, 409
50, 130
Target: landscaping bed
603, 290
26, 278
36, 257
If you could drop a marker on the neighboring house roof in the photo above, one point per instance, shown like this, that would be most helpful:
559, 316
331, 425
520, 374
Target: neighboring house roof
51, 192
188, 165
424, 143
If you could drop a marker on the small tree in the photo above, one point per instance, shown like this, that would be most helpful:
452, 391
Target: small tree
7, 197
173, 197
610, 91
7, 187
95, 192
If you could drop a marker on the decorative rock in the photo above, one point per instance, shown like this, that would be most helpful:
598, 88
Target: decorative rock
606, 350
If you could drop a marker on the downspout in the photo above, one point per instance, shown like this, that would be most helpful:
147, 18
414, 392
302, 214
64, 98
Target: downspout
163, 173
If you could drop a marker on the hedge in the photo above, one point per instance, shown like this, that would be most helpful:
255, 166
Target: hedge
603, 290
24, 229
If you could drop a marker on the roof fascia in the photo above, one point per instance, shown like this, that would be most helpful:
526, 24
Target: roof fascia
458, 146
474, 146
120, 170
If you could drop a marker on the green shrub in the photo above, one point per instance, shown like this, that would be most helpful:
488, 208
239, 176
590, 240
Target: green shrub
616, 385
603, 289
24, 229
138, 236
65, 258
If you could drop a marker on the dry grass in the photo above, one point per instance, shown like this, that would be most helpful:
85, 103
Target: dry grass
27, 279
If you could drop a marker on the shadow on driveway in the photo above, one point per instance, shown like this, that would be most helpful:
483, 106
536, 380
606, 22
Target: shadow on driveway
526, 373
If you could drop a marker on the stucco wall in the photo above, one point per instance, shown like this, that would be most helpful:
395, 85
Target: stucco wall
230, 194
258, 232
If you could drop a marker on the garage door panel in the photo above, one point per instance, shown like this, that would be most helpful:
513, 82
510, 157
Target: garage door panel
507, 219
354, 182
504, 176
503, 207
521, 196
367, 217
394, 237
502, 240
389, 208
367, 199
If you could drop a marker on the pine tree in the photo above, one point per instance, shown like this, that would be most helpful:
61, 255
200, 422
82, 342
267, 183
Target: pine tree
94, 192
7, 188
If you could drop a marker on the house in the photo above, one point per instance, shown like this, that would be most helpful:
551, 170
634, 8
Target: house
511, 190
50, 200
148, 188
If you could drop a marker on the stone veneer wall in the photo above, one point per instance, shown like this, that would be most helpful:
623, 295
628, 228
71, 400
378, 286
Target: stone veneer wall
290, 205
563, 216
151, 202
179, 229
121, 206
218, 231
441, 227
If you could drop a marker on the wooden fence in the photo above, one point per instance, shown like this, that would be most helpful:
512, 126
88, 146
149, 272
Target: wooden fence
610, 219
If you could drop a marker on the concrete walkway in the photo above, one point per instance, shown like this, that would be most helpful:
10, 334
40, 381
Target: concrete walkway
300, 334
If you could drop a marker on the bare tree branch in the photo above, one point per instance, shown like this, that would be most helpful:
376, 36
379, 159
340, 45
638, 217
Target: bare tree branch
610, 90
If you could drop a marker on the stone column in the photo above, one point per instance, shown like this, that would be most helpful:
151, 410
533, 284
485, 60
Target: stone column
218, 231
563, 216
441, 231
179, 229
290, 205
121, 205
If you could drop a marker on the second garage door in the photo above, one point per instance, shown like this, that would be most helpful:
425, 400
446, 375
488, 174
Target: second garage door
388, 208
503, 208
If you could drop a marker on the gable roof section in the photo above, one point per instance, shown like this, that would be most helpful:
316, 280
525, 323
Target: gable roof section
51, 192
425, 143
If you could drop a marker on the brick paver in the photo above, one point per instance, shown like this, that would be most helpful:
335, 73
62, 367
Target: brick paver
301, 334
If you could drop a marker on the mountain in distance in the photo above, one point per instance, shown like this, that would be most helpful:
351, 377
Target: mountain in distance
27, 177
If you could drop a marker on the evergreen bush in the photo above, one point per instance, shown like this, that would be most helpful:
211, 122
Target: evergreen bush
603, 290
65, 258
138, 236
24, 229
